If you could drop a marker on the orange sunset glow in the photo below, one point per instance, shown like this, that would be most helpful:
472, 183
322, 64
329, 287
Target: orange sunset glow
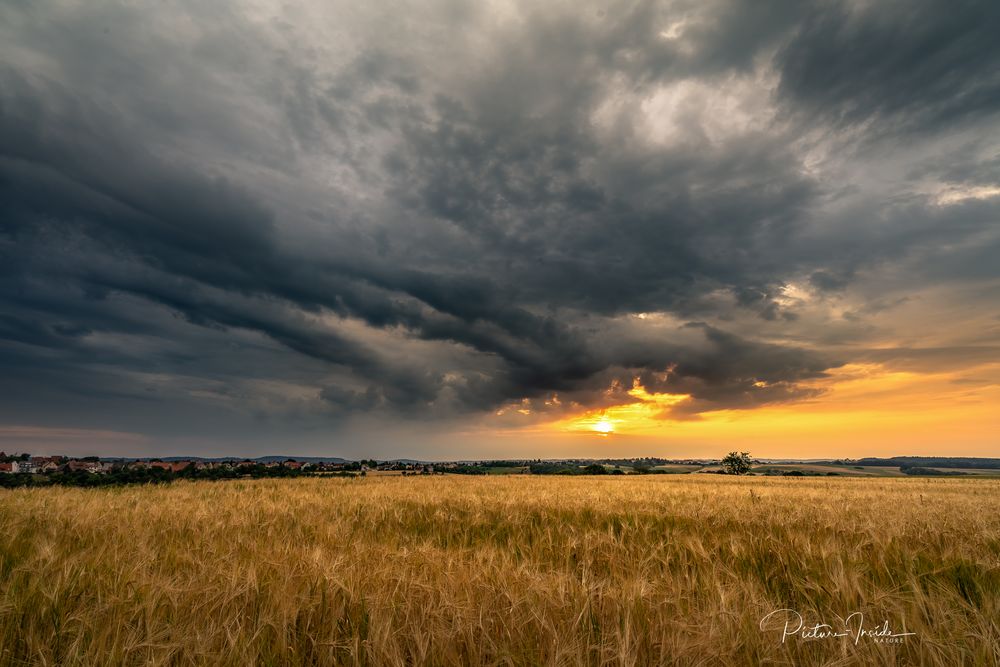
857, 410
647, 411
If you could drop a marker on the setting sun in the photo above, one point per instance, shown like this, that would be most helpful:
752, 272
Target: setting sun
604, 427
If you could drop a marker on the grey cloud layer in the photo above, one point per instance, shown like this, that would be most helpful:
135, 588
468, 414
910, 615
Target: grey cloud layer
437, 210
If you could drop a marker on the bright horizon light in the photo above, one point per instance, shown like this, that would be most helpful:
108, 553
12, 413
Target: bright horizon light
604, 427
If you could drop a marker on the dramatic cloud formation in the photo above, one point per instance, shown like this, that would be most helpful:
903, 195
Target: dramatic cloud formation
374, 228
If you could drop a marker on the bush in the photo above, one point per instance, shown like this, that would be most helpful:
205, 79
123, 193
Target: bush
737, 463
928, 472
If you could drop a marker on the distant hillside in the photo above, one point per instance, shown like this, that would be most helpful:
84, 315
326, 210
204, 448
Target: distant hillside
950, 462
930, 462
301, 459
219, 459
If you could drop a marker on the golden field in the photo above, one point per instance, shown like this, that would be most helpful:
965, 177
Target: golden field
512, 570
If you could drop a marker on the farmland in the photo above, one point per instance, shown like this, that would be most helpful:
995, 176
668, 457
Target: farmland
451, 570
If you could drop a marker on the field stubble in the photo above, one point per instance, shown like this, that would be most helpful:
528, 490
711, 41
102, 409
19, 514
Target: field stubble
498, 570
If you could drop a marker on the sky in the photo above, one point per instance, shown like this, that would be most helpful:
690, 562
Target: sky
443, 229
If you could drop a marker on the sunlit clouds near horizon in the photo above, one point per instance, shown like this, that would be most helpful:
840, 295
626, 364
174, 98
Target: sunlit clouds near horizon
504, 229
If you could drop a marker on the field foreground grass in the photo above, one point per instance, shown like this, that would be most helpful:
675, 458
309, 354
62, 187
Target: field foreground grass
500, 570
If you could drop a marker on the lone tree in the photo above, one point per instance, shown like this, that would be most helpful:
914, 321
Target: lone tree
737, 463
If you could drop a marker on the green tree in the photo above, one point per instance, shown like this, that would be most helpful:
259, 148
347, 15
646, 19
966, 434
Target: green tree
737, 463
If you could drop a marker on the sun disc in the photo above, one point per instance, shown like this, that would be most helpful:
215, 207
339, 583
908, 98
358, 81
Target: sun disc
604, 426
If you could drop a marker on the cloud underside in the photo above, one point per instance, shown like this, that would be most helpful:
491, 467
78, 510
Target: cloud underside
210, 213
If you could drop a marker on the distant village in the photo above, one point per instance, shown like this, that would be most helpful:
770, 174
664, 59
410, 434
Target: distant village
279, 466
126, 470
25, 463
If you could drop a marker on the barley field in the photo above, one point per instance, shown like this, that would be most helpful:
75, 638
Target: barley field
513, 570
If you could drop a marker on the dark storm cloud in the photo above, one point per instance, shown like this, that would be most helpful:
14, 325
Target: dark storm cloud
911, 66
650, 234
754, 373
962, 165
443, 211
